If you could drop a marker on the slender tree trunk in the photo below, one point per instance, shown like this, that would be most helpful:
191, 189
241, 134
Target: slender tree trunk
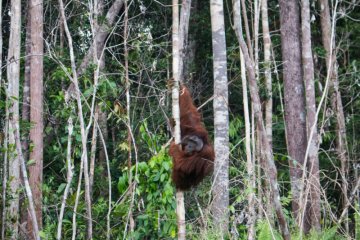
294, 97
249, 157
183, 35
180, 207
69, 177
36, 110
99, 59
4, 174
270, 169
269, 100
104, 130
84, 156
29, 195
247, 30
221, 119
93, 150
267, 71
101, 35
5, 131
190, 43
128, 111
251, 183
25, 117
13, 76
26, 88
257, 4
1, 43
313, 184
328, 39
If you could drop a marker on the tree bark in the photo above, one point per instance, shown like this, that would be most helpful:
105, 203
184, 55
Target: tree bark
221, 119
328, 39
247, 29
13, 76
4, 155
267, 71
93, 150
29, 195
250, 164
294, 98
269, 167
36, 110
183, 35
180, 207
69, 177
101, 34
25, 117
312, 199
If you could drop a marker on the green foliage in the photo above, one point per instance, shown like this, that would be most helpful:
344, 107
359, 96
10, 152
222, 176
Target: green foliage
154, 195
324, 234
357, 221
265, 231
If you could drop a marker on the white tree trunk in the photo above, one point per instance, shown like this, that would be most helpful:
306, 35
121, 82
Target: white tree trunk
221, 119
69, 177
180, 207
13, 75
250, 164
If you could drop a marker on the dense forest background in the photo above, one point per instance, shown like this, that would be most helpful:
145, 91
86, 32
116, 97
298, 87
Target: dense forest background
84, 142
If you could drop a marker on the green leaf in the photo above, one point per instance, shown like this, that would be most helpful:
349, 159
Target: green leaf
42, 235
30, 162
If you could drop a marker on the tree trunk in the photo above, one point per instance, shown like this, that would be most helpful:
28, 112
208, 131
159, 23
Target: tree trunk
247, 30
251, 182
69, 177
270, 169
183, 35
180, 207
328, 39
13, 76
26, 89
128, 113
249, 157
294, 97
102, 33
257, 4
84, 155
267, 71
36, 110
221, 119
311, 199
269, 97
25, 117
93, 150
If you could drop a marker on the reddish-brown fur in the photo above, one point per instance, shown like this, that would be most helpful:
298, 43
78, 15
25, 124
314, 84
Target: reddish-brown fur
190, 169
